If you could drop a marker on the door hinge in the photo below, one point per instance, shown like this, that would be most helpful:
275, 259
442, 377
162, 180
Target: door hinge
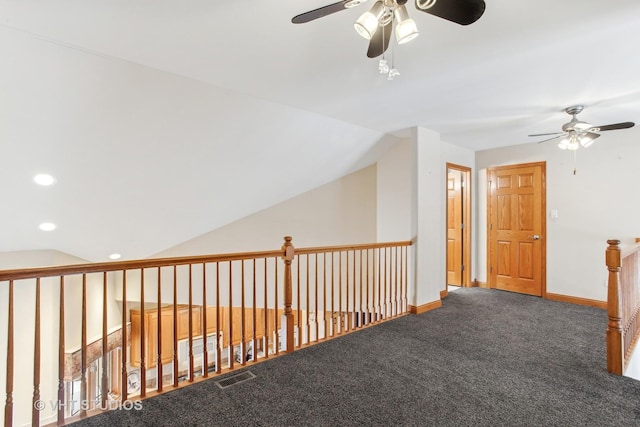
462, 226
490, 269
462, 267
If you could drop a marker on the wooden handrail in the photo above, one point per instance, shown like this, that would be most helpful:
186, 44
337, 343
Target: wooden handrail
345, 287
100, 267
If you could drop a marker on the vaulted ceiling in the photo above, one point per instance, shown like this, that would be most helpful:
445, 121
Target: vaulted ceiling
164, 119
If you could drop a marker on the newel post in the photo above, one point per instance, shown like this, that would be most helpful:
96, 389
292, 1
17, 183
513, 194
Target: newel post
287, 257
615, 353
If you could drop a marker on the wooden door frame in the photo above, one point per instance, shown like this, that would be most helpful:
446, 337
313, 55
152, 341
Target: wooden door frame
543, 208
466, 219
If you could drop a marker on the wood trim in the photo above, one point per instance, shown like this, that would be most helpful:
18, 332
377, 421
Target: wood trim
483, 285
100, 267
577, 300
444, 294
425, 307
467, 219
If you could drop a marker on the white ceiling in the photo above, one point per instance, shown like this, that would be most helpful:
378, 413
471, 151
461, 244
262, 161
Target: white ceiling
155, 115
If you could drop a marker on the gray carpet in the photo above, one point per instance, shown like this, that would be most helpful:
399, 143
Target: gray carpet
485, 358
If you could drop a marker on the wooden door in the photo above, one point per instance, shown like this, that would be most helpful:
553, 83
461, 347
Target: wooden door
454, 227
516, 228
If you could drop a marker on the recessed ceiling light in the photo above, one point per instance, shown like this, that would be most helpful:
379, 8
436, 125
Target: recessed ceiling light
115, 256
44, 179
47, 226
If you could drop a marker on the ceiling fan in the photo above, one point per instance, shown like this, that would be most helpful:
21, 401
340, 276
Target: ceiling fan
376, 25
576, 133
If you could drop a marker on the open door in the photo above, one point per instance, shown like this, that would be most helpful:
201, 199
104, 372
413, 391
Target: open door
516, 228
458, 225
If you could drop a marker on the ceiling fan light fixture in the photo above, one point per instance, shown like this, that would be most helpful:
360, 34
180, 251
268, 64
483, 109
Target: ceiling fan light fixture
586, 140
368, 22
406, 28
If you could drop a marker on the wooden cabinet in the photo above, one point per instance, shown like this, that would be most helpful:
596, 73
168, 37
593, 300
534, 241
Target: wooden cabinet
231, 326
150, 322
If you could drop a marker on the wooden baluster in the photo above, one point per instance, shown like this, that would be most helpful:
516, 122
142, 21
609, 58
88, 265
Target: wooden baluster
615, 353
386, 274
83, 350
353, 311
396, 281
205, 355
346, 289
265, 327
61, 355
143, 340
299, 324
190, 342
230, 341
123, 344
159, 374
324, 295
8, 406
289, 253
340, 316
367, 306
175, 327
105, 376
35, 412
333, 296
379, 285
218, 321
276, 320
317, 316
254, 345
308, 306
361, 311
243, 339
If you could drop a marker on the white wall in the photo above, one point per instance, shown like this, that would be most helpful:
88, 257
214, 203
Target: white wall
411, 205
598, 203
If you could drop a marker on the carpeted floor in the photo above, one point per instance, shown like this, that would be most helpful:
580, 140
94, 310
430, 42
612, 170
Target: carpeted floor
486, 358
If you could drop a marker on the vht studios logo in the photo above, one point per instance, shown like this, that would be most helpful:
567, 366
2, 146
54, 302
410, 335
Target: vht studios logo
86, 405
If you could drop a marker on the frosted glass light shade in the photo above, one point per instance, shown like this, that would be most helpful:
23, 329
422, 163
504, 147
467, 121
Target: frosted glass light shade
406, 28
368, 22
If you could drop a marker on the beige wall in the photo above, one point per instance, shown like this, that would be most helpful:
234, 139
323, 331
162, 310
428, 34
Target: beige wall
341, 212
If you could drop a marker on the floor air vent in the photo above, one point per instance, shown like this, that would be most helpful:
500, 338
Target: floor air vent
235, 379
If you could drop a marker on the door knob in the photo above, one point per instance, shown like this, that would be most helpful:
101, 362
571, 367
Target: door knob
536, 237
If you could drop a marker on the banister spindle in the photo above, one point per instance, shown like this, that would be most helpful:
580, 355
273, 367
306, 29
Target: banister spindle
160, 374
105, 348
8, 406
123, 345
143, 340
35, 414
615, 353
205, 354
83, 350
175, 327
61, 354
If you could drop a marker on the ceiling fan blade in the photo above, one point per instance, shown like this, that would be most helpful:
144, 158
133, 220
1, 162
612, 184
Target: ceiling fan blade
320, 12
615, 126
380, 41
550, 139
463, 12
545, 134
